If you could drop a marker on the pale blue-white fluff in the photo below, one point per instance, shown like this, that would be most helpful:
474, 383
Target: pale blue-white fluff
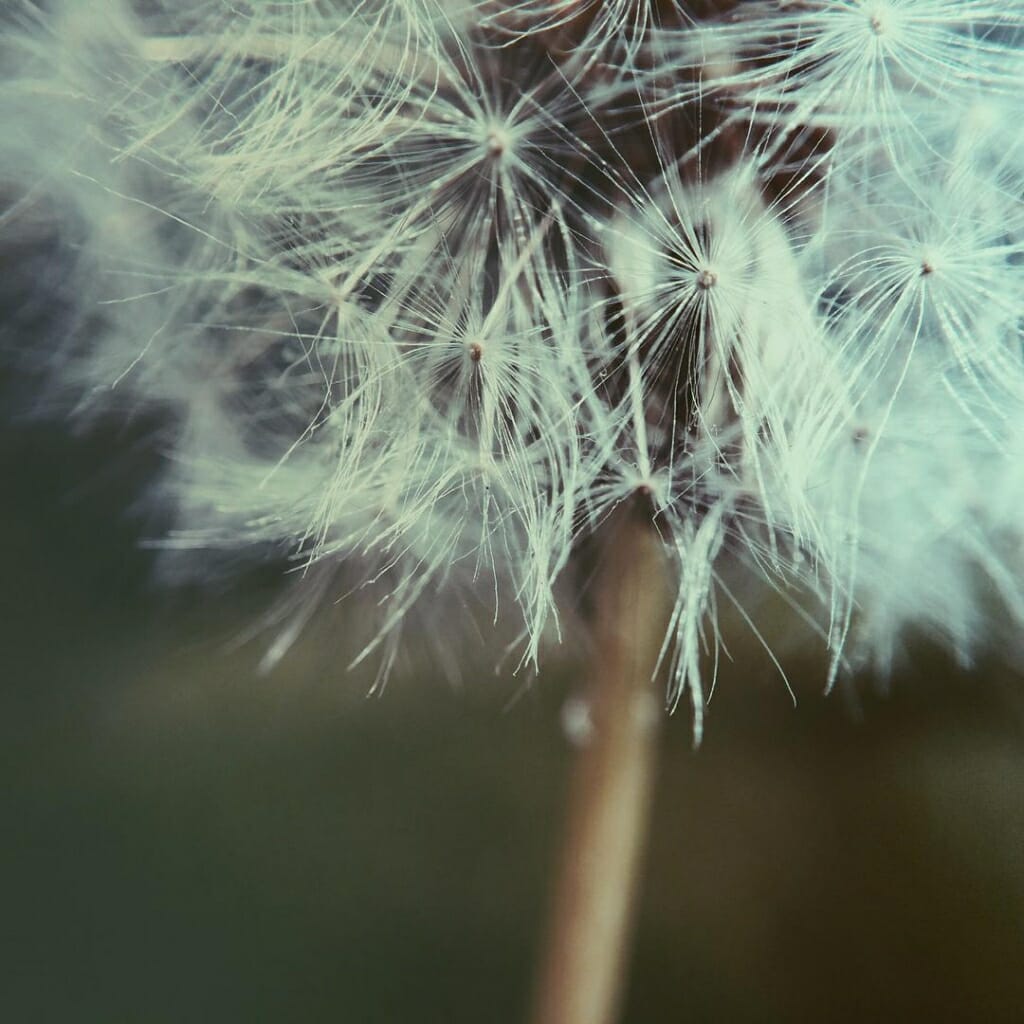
427, 289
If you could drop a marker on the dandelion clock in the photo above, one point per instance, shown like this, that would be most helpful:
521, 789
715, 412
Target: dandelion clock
596, 317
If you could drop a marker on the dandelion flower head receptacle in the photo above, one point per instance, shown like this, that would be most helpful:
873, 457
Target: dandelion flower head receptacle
422, 291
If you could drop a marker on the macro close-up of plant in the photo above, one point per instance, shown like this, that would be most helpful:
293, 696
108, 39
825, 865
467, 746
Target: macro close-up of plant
552, 323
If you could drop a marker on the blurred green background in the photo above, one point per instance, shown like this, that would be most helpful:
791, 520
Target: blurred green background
188, 841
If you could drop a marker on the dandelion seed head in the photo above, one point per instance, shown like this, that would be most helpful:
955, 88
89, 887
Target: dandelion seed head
424, 293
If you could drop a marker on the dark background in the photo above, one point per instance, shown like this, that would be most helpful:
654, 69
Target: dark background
186, 840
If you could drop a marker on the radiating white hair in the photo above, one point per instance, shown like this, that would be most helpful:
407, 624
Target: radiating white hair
426, 293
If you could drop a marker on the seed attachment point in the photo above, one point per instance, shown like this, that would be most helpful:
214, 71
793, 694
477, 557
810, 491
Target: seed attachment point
498, 141
880, 21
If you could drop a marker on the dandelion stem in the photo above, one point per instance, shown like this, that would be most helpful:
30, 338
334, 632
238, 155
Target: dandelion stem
583, 967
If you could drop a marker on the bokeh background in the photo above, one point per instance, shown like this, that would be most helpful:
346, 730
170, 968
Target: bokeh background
185, 840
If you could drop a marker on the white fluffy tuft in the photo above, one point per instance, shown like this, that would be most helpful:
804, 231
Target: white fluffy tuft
425, 292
